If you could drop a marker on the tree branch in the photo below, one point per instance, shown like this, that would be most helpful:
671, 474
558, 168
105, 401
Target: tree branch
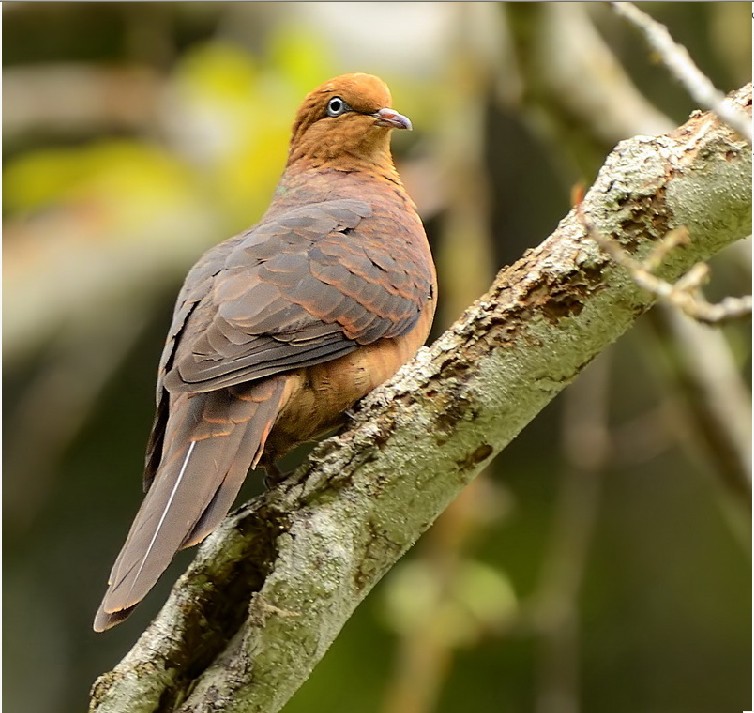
268, 592
686, 293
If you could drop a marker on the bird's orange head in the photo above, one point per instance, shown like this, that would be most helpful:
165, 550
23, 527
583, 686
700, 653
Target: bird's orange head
348, 119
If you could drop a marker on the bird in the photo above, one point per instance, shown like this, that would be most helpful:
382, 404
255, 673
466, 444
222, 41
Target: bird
280, 330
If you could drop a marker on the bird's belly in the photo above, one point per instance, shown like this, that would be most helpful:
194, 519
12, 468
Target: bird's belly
317, 396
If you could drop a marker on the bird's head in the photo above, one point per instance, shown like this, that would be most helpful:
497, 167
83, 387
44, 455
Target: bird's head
346, 119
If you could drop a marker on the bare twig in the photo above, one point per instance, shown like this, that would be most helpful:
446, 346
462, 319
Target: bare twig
685, 293
677, 60
717, 408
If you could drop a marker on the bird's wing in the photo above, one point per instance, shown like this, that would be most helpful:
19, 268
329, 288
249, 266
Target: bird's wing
308, 286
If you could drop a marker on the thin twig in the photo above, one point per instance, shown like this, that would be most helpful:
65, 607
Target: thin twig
685, 293
676, 59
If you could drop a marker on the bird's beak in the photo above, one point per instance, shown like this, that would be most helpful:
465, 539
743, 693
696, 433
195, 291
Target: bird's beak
392, 119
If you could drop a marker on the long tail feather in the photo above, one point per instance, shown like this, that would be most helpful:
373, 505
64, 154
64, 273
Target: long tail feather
211, 440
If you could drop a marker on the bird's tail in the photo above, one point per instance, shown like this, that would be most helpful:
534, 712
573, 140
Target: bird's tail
210, 442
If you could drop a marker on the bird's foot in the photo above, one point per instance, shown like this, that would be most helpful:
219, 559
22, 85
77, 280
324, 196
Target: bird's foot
274, 476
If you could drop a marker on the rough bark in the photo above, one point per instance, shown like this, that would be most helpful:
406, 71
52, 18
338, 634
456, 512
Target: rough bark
270, 590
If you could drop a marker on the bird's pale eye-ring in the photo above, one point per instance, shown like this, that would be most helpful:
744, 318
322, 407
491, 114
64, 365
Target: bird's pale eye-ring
336, 106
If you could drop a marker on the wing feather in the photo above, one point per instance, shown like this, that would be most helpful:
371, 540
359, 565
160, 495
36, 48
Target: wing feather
308, 286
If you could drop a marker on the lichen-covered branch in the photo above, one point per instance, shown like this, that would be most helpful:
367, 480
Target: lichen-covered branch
271, 589
685, 294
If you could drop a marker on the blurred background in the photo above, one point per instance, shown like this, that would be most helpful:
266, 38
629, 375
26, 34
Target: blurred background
603, 562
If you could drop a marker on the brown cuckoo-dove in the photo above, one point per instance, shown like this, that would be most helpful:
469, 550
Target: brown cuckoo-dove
279, 330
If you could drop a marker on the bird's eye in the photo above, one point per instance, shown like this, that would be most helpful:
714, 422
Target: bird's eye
336, 106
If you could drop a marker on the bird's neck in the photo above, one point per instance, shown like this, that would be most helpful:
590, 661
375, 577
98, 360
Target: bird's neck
305, 182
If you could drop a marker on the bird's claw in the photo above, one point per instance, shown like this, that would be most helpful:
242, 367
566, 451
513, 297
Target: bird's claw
274, 476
